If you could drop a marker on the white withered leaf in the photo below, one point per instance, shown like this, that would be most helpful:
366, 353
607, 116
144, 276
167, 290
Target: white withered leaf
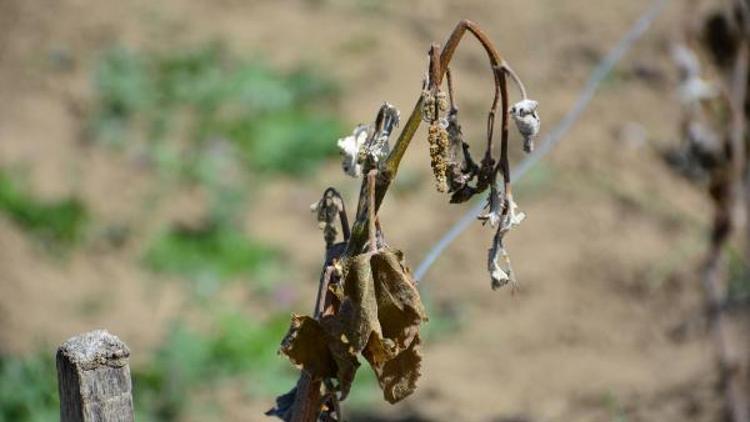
349, 147
527, 121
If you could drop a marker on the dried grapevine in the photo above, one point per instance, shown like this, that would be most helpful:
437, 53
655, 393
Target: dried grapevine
368, 304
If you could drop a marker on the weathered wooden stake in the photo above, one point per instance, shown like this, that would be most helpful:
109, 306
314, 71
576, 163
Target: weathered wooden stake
93, 379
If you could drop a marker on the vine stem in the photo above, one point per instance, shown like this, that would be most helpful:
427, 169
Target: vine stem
504, 163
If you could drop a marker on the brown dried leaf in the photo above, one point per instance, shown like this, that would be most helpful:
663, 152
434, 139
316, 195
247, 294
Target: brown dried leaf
394, 354
343, 354
359, 309
379, 316
320, 349
305, 345
284, 403
398, 376
398, 301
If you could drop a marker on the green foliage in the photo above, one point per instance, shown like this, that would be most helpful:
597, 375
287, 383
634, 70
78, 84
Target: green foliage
161, 387
216, 251
247, 347
617, 411
57, 223
292, 143
279, 121
122, 84
28, 391
208, 117
189, 360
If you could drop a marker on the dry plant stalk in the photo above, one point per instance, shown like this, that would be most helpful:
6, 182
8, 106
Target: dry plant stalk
714, 126
367, 302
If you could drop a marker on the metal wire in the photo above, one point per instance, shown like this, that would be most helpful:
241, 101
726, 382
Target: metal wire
553, 138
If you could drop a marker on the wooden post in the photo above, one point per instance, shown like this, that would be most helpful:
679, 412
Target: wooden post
93, 379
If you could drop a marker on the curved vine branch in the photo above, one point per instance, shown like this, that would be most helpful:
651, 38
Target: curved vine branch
438, 70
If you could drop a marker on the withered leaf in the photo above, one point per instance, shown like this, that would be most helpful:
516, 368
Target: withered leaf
400, 309
359, 309
463, 194
398, 376
343, 354
399, 305
379, 316
283, 408
321, 349
305, 346
393, 351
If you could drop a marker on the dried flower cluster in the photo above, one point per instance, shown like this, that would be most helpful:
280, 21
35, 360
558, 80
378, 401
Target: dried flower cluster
434, 106
438, 139
367, 303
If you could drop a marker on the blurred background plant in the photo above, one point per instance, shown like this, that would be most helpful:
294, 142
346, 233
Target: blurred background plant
235, 347
175, 103
28, 388
203, 116
56, 225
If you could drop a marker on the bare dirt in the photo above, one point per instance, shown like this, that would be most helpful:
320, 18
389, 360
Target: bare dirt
608, 322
